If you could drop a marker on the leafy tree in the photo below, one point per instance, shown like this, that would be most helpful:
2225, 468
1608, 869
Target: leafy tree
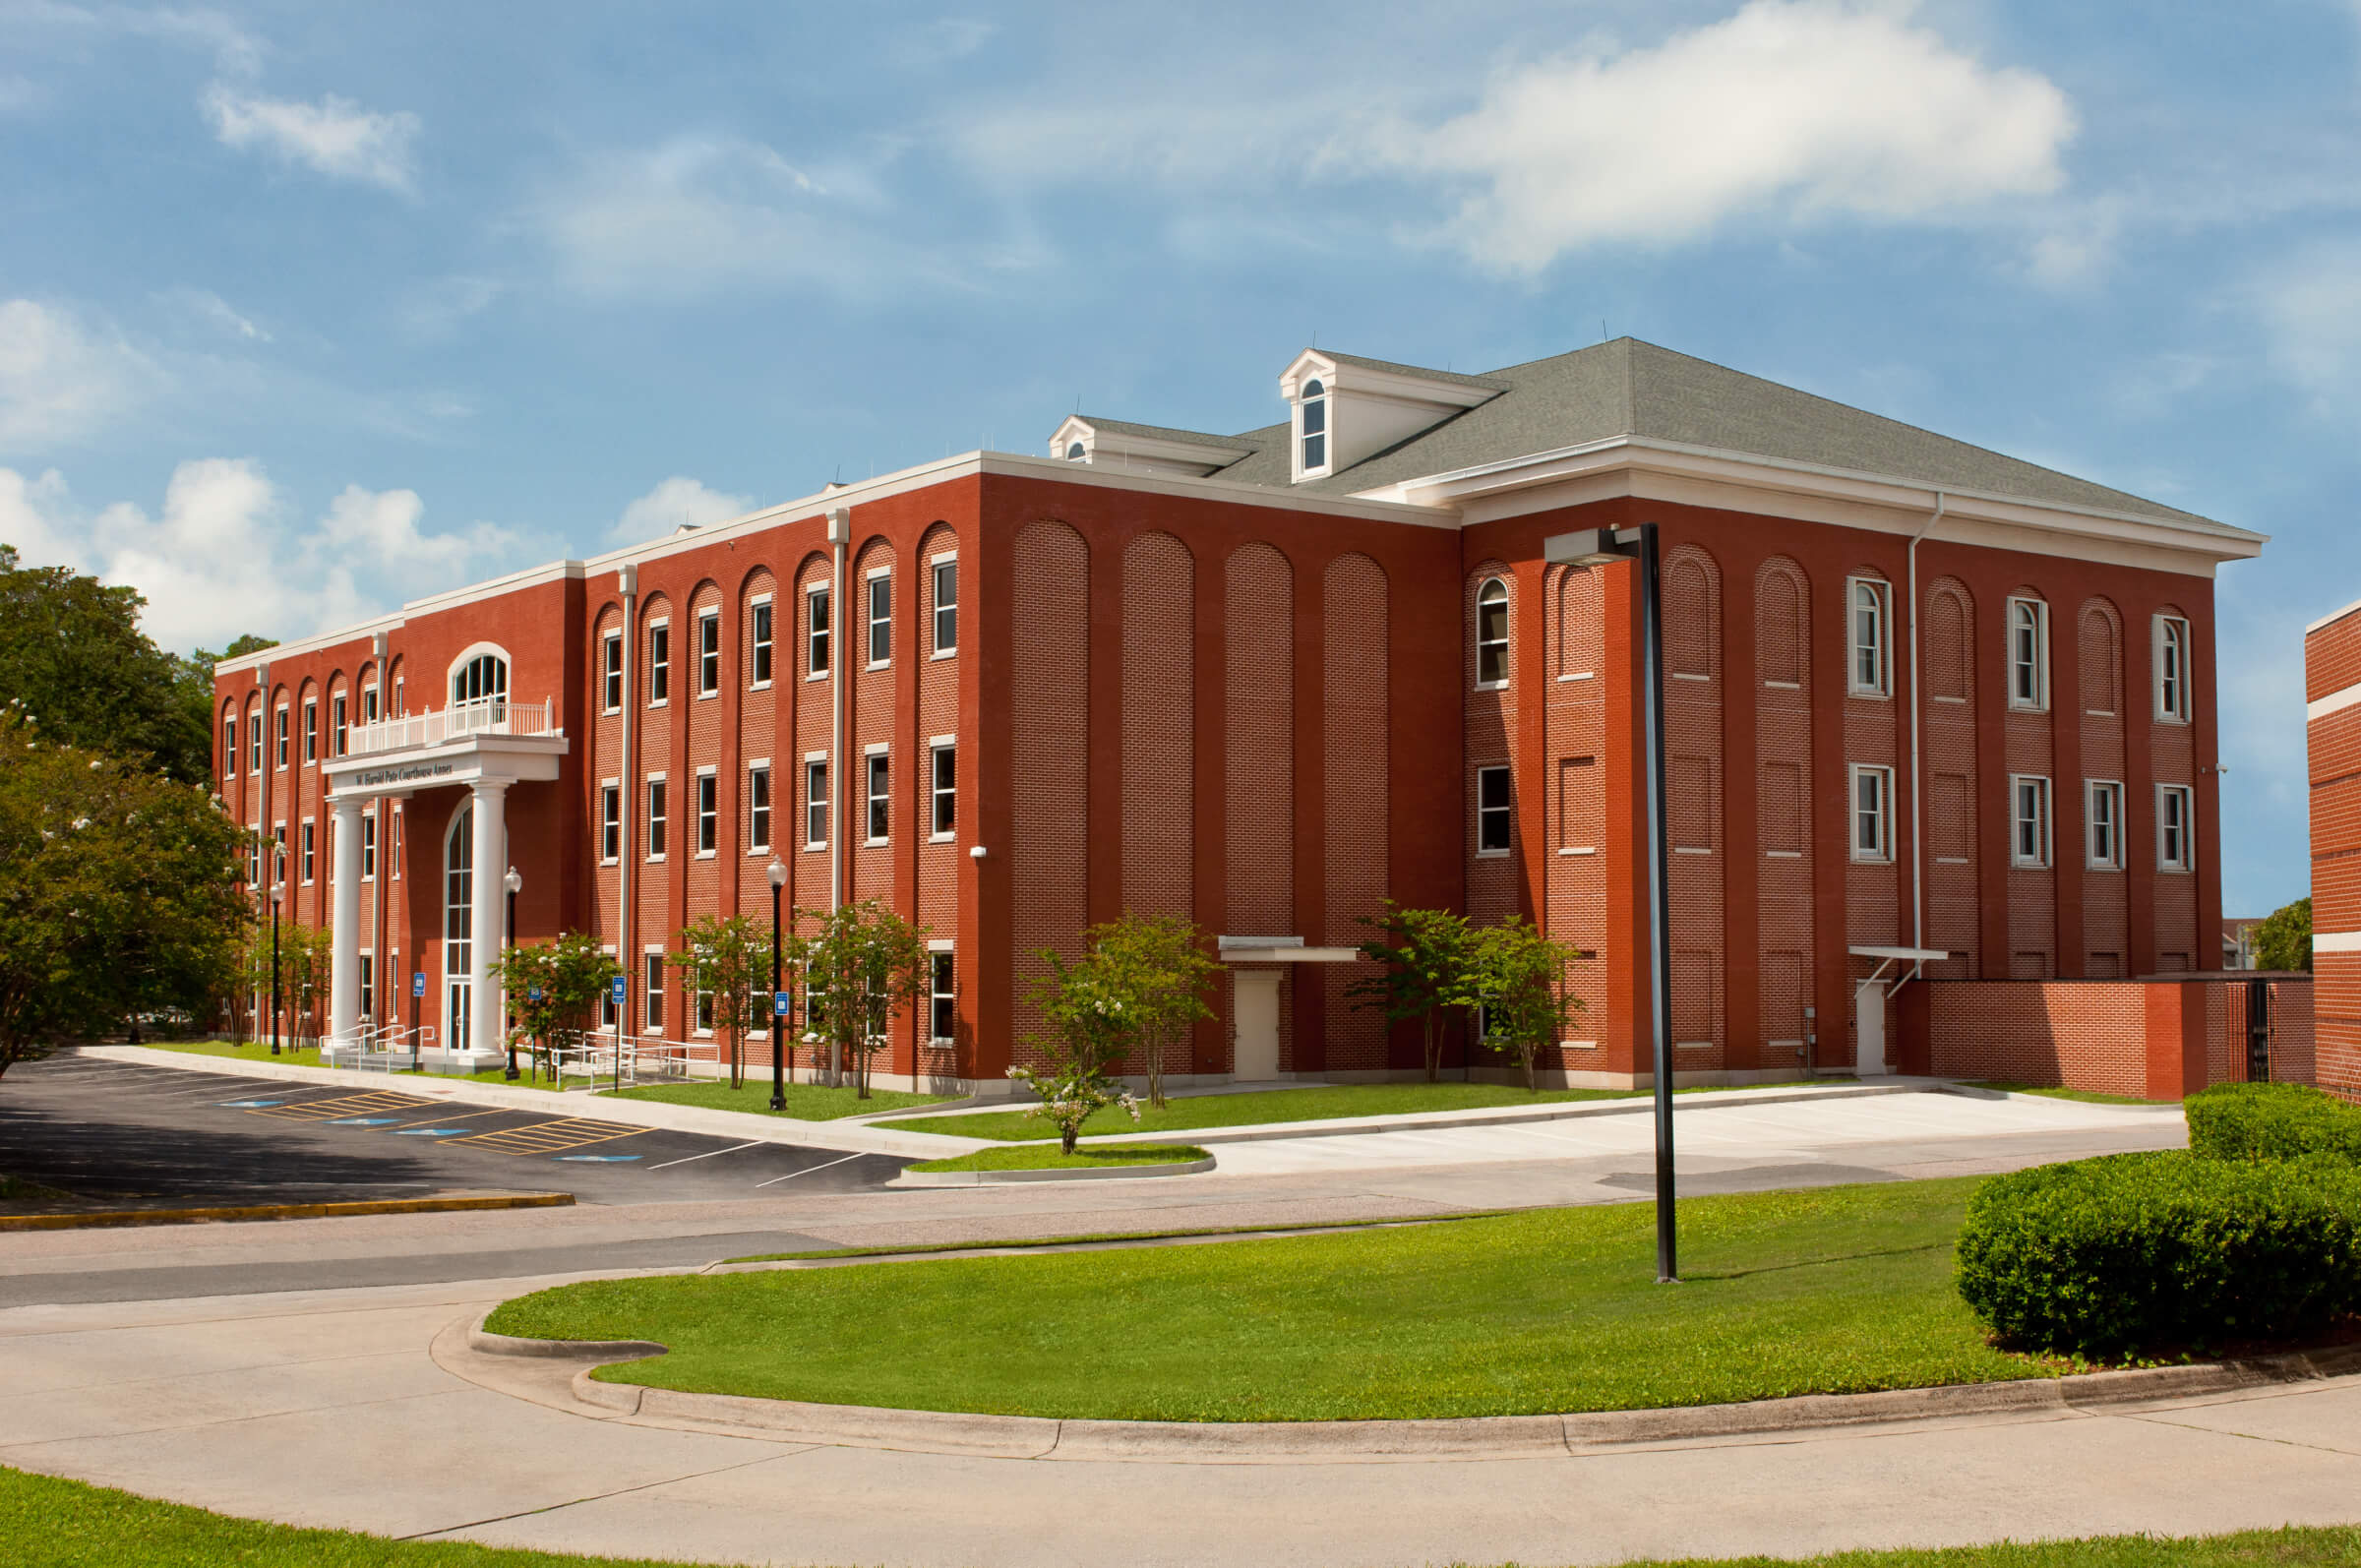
1091, 1029
1429, 956
2283, 938
861, 963
720, 960
555, 988
1159, 966
1518, 974
118, 894
73, 658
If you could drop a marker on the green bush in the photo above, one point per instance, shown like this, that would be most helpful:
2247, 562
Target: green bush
2145, 1252
2270, 1121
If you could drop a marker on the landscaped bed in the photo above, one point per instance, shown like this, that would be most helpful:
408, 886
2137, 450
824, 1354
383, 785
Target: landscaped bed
805, 1102
2051, 1091
1842, 1290
1041, 1157
1255, 1106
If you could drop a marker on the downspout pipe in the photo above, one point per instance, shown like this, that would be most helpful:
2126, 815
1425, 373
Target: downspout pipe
632, 792
840, 538
1917, 723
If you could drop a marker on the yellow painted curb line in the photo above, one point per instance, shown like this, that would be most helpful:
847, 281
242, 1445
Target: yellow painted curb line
281, 1211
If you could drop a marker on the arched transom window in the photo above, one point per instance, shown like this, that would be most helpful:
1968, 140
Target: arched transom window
1491, 632
1315, 426
482, 679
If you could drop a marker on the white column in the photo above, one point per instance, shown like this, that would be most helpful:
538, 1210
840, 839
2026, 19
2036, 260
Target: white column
490, 902
344, 926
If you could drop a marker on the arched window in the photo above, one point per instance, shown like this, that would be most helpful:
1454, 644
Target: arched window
1491, 632
458, 926
1074, 452
1315, 426
482, 679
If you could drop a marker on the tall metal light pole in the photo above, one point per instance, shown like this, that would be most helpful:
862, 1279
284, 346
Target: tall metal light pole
777, 872
515, 883
277, 893
1594, 547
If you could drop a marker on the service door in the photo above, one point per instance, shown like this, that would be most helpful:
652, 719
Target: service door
1256, 998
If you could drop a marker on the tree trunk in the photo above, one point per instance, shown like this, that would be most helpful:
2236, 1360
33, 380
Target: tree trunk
1530, 1086
1435, 1053
1066, 1139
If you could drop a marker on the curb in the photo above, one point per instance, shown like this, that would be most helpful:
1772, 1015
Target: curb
1474, 1437
994, 1179
282, 1211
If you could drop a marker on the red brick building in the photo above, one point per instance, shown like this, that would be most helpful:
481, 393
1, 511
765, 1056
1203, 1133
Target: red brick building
1921, 698
2333, 725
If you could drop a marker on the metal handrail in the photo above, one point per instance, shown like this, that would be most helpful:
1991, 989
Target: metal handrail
492, 715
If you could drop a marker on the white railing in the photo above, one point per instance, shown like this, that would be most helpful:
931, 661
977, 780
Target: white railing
490, 717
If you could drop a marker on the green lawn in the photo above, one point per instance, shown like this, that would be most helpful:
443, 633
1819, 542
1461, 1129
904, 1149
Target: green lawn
309, 1056
1048, 1157
64, 1524
805, 1102
1836, 1290
1272, 1105
2054, 1091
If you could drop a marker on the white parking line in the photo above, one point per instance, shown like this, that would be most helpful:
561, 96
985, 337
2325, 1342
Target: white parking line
807, 1171
707, 1154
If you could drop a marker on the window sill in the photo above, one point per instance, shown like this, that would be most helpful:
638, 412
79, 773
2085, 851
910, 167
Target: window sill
758, 685
1584, 849
875, 843
1866, 694
1867, 860
1491, 854
707, 697
610, 860
2017, 864
2029, 708
816, 848
2174, 871
817, 675
2098, 866
1578, 675
875, 666
1783, 686
609, 712
704, 854
655, 860
661, 703
942, 653
757, 849
943, 838
1491, 685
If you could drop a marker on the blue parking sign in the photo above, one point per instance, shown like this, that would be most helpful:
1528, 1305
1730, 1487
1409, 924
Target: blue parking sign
778, 1005
418, 983
616, 991
533, 993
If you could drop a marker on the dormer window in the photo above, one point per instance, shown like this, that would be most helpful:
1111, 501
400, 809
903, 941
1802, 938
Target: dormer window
1315, 426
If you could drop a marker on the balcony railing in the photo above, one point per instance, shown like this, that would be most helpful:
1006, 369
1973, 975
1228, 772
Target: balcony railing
489, 716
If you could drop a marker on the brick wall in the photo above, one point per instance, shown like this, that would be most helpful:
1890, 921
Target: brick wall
1049, 738
2102, 1035
2333, 664
1353, 710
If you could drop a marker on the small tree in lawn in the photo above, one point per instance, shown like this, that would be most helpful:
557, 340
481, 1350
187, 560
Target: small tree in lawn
1518, 976
1429, 955
2283, 938
1090, 1029
554, 986
862, 963
1158, 966
721, 958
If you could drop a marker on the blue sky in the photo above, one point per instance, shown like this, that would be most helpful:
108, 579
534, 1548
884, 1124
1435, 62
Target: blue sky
307, 310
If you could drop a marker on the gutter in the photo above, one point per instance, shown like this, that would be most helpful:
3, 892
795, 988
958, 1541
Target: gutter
840, 537
1917, 723
627, 579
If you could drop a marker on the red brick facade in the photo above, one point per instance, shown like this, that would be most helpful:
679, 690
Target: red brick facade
2332, 684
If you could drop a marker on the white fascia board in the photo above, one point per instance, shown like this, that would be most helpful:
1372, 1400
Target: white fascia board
325, 640
2333, 617
1217, 489
1121, 444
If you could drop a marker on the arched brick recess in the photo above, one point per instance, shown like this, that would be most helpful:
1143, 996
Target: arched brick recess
1490, 726
1049, 741
1953, 922
702, 874
872, 725
1692, 589
2172, 749
1783, 786
2027, 744
937, 714
1159, 752
1575, 864
2106, 896
1354, 710
1258, 754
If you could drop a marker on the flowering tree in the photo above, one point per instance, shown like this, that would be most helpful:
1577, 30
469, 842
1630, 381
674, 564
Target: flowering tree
720, 961
555, 987
1518, 974
1429, 956
1091, 1028
1158, 968
861, 963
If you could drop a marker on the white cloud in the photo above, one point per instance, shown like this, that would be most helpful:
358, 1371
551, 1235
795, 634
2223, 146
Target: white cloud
334, 137
60, 378
940, 41
2311, 312
1794, 108
678, 500
210, 309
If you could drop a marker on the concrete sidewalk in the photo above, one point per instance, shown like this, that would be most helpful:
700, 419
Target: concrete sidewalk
325, 1409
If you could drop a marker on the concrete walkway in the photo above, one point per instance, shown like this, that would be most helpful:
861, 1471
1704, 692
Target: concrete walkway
325, 1409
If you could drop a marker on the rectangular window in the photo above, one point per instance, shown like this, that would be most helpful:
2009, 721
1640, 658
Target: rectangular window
337, 717
655, 819
758, 795
397, 837
815, 623
2028, 654
2175, 828
606, 1001
880, 618
941, 1011
311, 729
2028, 840
229, 747
655, 993
704, 1012
1493, 815
369, 845
709, 812
610, 822
2172, 669
815, 804
610, 658
946, 605
401, 705
369, 704
1872, 812
879, 797
761, 642
253, 740
945, 789
1868, 672
708, 654
659, 663
281, 738
368, 985
306, 846
2102, 813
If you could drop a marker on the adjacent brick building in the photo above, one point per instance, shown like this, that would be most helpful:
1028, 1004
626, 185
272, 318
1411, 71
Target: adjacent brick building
2333, 725
1921, 700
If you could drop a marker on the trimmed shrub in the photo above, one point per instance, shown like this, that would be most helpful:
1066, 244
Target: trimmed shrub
2270, 1121
2136, 1252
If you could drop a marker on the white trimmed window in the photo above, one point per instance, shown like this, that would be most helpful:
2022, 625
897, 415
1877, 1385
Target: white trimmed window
655, 817
2029, 820
368, 984
610, 822
942, 1004
1313, 420
1495, 815
654, 1011
943, 766
880, 618
1492, 634
606, 999
253, 740
816, 803
402, 703
1868, 596
659, 663
708, 654
338, 728
397, 839
758, 815
610, 659
816, 630
762, 644
280, 734
311, 729
2102, 815
230, 745
2172, 669
369, 845
369, 703
1872, 812
2176, 827
709, 810
2028, 654
946, 605
880, 796
306, 842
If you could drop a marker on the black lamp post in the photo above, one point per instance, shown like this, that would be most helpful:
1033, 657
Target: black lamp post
279, 860
1596, 546
777, 872
515, 883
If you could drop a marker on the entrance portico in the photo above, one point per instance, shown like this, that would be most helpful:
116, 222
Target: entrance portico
483, 747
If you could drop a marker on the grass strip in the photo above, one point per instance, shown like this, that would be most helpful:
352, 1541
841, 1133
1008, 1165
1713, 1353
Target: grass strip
1102, 1236
1835, 1289
309, 1056
2051, 1091
50, 1523
1049, 1157
1328, 1103
805, 1102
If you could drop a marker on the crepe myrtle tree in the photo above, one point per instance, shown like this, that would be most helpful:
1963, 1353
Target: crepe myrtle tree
722, 958
862, 963
555, 987
1159, 968
1428, 957
1089, 1027
1517, 974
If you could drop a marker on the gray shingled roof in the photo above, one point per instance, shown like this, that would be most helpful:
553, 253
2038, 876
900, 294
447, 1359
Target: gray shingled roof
1194, 438
1629, 388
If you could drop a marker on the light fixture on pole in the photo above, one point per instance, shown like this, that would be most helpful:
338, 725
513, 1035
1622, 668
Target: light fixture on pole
776, 870
515, 883
1596, 546
279, 861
